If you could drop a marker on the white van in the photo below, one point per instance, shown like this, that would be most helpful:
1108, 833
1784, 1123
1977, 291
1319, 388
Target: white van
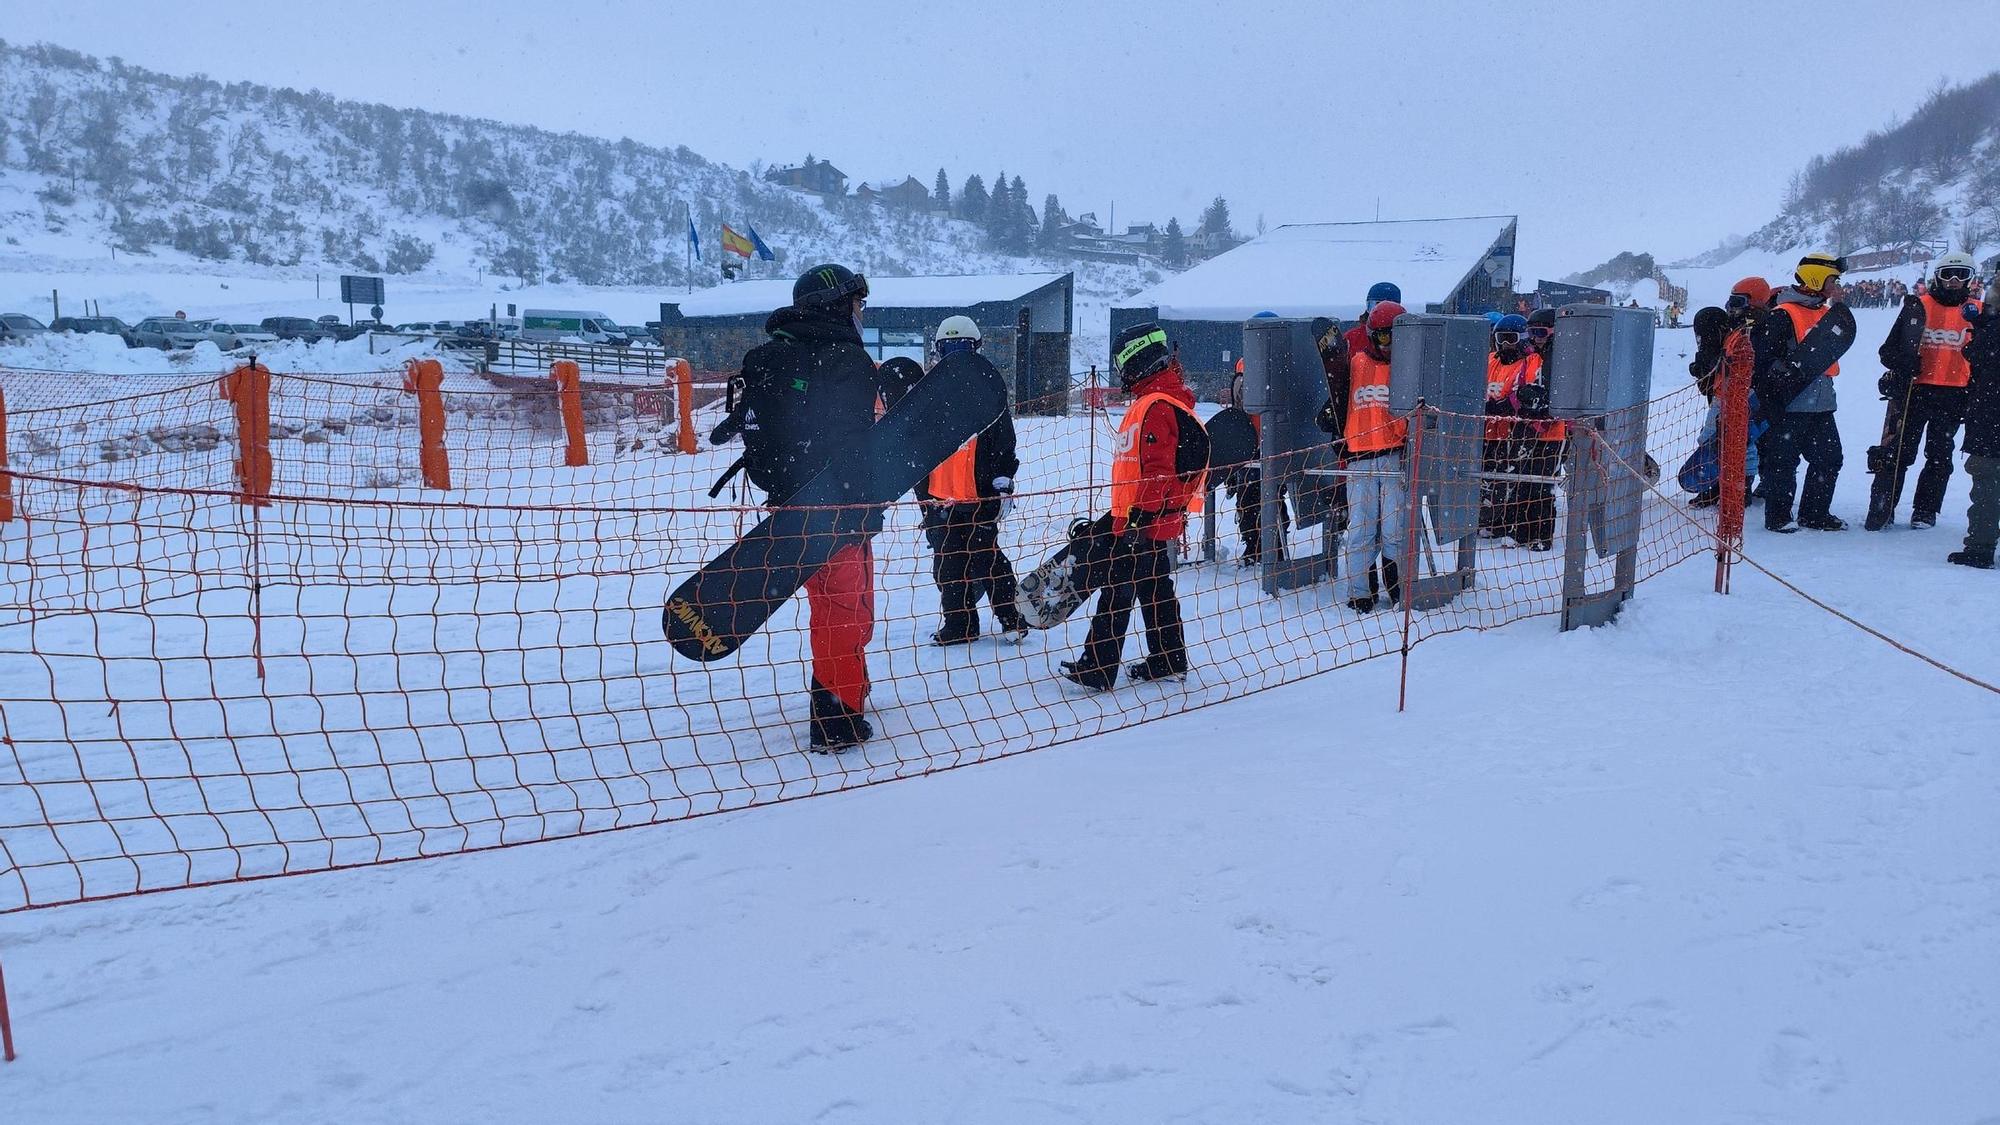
582, 324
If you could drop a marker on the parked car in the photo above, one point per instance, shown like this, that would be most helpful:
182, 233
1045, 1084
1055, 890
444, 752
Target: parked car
371, 326
107, 325
18, 327
167, 333
638, 334
338, 330
416, 328
253, 335
216, 332
296, 328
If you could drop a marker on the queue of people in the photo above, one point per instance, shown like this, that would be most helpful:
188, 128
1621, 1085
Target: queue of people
1941, 363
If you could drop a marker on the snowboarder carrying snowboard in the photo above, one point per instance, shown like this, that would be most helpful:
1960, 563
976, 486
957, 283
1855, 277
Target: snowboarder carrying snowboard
1749, 302
809, 398
1157, 474
1924, 386
964, 501
1798, 355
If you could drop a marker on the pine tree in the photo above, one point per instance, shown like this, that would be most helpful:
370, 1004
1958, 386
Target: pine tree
972, 200
1051, 236
1176, 248
1020, 230
1215, 220
999, 213
941, 191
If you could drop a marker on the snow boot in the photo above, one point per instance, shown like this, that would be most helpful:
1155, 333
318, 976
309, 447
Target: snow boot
954, 635
1827, 522
1923, 521
1362, 605
1980, 560
1155, 668
1706, 498
835, 725
1089, 676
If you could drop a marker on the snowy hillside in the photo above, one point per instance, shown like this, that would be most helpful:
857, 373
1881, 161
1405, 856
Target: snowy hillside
104, 163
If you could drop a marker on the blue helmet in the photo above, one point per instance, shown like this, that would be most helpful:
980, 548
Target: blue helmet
1384, 291
1512, 322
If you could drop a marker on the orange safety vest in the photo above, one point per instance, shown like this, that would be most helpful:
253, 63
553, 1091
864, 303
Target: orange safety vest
1371, 428
1501, 381
1125, 472
1803, 320
954, 480
1941, 359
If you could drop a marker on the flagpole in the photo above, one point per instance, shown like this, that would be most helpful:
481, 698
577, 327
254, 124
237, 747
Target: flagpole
689, 220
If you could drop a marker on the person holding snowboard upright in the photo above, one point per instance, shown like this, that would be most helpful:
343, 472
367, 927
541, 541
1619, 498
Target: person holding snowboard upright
808, 398
1157, 473
1373, 440
1982, 442
1924, 385
1794, 387
965, 499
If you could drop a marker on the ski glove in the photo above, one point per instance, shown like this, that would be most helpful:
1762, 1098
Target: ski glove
1893, 385
1534, 399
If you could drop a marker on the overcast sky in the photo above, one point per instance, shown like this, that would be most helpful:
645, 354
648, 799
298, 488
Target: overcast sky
1604, 125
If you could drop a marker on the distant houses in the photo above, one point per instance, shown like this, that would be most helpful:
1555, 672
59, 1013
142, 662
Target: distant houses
817, 176
908, 193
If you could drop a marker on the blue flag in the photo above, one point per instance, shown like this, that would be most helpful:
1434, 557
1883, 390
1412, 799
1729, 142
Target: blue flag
763, 251
694, 239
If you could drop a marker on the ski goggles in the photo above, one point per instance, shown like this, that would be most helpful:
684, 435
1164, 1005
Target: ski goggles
1960, 274
1506, 339
1737, 302
1134, 347
1538, 332
1816, 275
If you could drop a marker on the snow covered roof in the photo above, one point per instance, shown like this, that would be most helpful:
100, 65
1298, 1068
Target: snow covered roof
1325, 269
744, 297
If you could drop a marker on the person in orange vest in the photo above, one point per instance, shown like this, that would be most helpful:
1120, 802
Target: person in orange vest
1799, 404
1509, 363
1372, 440
1157, 473
965, 499
1539, 450
1924, 385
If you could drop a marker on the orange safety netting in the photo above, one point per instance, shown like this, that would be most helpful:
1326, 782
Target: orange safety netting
195, 690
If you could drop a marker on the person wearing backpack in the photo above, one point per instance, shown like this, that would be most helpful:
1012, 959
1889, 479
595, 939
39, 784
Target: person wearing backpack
806, 399
1157, 473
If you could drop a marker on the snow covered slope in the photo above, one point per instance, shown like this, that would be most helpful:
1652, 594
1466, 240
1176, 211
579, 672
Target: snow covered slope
1727, 860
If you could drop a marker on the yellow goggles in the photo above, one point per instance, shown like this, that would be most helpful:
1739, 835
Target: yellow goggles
1814, 276
1125, 354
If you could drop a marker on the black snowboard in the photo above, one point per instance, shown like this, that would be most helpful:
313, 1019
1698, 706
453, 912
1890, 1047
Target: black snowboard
1049, 595
716, 610
1825, 344
1232, 438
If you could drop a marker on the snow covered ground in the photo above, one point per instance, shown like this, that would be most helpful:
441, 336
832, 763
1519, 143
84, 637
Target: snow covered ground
1729, 860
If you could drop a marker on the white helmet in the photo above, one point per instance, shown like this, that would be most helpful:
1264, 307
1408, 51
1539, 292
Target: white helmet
957, 328
1962, 261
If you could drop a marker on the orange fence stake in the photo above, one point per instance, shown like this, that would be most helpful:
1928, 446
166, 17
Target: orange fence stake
6, 494
6, 1025
248, 389
569, 396
684, 395
425, 378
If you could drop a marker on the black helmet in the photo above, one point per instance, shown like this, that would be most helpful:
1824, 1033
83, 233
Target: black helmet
1138, 352
895, 378
1542, 318
827, 285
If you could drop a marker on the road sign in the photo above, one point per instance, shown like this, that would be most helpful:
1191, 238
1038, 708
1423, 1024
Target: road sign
360, 290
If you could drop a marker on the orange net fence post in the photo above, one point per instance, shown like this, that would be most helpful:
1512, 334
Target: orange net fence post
248, 390
425, 379
1734, 448
6, 496
683, 374
569, 397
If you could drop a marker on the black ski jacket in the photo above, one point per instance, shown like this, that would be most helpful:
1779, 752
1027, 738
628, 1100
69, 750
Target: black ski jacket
1982, 404
1901, 352
809, 394
996, 459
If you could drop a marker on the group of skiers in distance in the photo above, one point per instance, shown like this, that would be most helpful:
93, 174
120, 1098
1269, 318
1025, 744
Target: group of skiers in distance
805, 399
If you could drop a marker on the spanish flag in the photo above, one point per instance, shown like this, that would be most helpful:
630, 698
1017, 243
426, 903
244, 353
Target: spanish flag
736, 243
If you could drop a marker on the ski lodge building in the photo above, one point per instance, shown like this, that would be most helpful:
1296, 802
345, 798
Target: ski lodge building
1024, 321
1323, 269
